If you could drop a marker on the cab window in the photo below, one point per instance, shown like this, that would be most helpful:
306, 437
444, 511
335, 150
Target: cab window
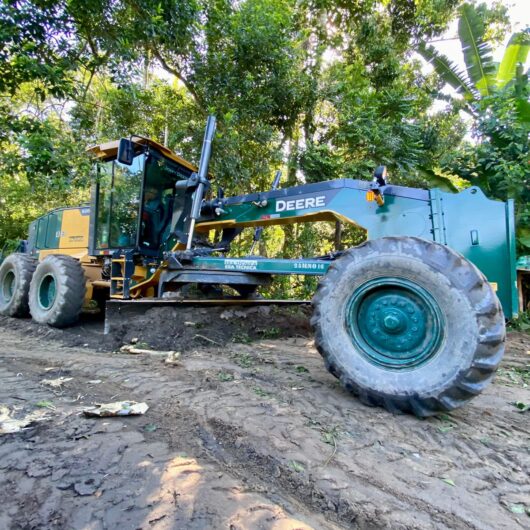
159, 195
118, 203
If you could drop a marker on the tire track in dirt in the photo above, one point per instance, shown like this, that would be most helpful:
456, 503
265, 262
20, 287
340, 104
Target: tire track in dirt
270, 417
123, 476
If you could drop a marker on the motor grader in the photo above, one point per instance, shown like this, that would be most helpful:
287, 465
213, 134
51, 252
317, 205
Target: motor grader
413, 319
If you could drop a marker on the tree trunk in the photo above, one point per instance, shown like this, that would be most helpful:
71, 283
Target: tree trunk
338, 235
290, 240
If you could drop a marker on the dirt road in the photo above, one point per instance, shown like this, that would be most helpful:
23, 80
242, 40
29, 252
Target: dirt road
255, 436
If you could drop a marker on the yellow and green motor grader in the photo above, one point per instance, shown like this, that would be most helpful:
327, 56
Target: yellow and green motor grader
413, 319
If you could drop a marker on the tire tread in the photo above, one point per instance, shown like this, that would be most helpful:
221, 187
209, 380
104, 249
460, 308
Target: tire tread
68, 304
489, 349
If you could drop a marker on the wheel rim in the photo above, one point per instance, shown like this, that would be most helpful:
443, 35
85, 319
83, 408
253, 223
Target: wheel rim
394, 323
8, 286
47, 291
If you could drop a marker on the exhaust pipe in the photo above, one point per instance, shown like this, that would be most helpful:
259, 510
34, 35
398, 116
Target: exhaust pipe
202, 177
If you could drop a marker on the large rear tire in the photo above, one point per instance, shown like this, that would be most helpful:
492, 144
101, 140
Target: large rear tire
57, 291
15, 277
408, 324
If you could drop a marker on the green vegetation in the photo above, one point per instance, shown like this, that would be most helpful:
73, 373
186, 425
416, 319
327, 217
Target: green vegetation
496, 97
261, 393
521, 323
225, 377
319, 89
296, 466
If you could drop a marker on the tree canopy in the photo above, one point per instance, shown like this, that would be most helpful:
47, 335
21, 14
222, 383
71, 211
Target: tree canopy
320, 89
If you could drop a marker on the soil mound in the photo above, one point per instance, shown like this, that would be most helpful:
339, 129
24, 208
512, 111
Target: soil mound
175, 328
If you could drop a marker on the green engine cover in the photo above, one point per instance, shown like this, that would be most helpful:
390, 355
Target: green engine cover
480, 229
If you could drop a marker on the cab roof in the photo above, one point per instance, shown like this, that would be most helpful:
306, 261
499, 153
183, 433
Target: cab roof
110, 150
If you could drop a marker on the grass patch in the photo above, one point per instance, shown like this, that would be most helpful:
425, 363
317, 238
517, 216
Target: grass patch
242, 338
245, 360
296, 466
261, 393
520, 323
269, 333
515, 376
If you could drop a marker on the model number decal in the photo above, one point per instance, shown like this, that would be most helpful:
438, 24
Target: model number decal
241, 264
300, 204
309, 266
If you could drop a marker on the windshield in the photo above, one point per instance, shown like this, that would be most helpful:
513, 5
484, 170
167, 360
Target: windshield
159, 200
118, 203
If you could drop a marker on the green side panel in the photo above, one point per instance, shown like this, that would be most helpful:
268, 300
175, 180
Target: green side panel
510, 235
483, 231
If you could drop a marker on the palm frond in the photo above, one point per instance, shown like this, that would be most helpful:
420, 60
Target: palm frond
447, 70
477, 52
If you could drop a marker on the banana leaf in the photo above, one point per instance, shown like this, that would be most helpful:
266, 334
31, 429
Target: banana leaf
477, 53
516, 53
447, 70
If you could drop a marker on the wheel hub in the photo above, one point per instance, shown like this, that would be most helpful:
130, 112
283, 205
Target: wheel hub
47, 291
394, 323
8, 286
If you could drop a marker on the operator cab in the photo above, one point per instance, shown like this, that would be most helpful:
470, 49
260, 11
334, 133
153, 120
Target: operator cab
135, 202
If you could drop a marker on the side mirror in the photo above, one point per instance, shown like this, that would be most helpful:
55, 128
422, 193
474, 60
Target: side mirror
380, 175
125, 152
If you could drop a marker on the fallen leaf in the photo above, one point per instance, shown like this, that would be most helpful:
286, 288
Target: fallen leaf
9, 425
448, 481
445, 429
45, 405
118, 408
296, 466
521, 406
150, 427
56, 383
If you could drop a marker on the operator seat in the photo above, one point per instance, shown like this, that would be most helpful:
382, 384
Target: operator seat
157, 214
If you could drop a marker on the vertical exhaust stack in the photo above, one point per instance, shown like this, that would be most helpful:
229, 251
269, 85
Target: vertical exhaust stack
202, 176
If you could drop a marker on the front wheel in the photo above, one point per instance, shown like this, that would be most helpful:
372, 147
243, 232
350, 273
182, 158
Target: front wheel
408, 324
57, 291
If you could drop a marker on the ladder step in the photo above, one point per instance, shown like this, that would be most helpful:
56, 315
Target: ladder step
122, 267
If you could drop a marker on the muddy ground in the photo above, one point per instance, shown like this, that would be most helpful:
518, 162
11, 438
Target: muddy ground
245, 435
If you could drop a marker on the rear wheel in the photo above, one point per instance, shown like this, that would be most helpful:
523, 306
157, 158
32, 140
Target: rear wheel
408, 324
57, 291
15, 277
